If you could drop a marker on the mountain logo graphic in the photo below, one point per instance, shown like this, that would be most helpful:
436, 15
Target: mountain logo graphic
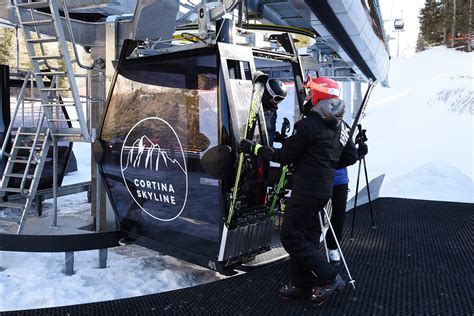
154, 169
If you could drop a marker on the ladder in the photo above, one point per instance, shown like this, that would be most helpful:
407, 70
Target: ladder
26, 160
32, 143
35, 44
29, 149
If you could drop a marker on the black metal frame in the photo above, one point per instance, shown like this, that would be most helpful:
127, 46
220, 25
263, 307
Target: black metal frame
5, 108
59, 243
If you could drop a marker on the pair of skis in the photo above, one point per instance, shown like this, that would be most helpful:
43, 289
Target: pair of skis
259, 80
362, 107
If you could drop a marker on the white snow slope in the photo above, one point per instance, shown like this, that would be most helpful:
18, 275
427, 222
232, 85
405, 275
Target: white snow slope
420, 135
421, 129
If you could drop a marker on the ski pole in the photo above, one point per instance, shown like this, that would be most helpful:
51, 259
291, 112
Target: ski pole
351, 281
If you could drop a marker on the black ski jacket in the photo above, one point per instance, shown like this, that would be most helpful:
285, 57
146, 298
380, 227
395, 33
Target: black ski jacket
315, 149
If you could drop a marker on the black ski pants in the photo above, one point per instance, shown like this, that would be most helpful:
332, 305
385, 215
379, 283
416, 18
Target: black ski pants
339, 201
300, 234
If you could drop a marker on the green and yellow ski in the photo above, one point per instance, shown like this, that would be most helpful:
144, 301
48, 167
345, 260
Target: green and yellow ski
259, 80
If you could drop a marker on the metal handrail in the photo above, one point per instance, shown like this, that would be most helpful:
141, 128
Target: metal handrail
6, 139
91, 71
32, 151
73, 41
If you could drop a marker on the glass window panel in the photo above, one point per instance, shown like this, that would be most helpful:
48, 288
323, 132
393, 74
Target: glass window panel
242, 92
160, 120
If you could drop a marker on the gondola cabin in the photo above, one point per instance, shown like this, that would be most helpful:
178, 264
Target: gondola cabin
168, 150
399, 25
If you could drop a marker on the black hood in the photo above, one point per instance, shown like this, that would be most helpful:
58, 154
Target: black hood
330, 110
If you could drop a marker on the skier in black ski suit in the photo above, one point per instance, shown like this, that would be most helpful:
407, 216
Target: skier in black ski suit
275, 92
314, 149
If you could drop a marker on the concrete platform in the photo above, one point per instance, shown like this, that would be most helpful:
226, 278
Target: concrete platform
73, 214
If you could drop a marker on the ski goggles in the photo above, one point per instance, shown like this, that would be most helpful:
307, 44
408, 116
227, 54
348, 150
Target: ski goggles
277, 99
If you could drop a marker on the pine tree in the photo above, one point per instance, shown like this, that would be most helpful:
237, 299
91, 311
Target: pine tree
445, 21
431, 22
469, 27
464, 12
6, 42
458, 23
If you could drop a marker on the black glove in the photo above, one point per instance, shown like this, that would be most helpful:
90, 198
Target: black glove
250, 147
349, 155
279, 138
247, 146
362, 150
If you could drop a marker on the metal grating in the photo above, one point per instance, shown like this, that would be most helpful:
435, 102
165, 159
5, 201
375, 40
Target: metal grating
418, 261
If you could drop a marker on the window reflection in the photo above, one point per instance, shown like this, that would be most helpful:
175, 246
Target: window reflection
191, 112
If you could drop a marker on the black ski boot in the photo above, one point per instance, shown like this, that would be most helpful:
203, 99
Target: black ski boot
289, 291
322, 293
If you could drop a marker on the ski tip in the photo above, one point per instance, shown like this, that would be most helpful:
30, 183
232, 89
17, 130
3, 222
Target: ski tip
259, 76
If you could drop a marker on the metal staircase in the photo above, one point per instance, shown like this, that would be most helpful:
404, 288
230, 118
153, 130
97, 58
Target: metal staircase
35, 44
26, 157
58, 90
37, 143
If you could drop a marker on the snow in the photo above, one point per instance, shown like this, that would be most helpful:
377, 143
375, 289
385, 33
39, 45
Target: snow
33, 280
437, 178
82, 152
37, 280
420, 130
420, 135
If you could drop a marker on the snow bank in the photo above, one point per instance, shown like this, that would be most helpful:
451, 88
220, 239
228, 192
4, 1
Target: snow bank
435, 180
82, 152
37, 280
426, 115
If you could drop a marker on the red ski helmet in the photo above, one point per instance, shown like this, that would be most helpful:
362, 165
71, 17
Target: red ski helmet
322, 89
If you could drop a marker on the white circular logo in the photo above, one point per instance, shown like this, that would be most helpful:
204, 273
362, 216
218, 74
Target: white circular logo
154, 169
